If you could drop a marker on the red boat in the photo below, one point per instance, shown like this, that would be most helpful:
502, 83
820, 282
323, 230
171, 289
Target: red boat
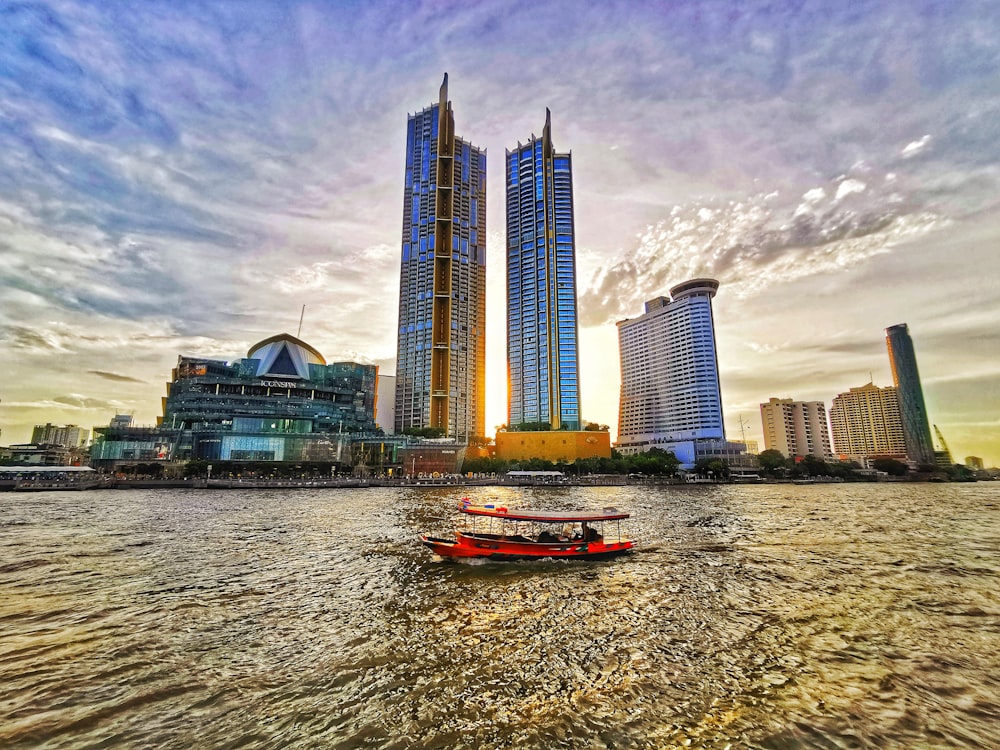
496, 532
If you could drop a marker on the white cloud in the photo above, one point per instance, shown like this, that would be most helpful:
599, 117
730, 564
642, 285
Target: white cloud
304, 278
751, 246
810, 200
915, 147
848, 187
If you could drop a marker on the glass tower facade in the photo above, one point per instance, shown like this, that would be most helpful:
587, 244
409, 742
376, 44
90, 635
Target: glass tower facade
542, 349
441, 346
282, 402
906, 378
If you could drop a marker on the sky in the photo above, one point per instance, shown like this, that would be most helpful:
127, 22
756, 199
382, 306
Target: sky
181, 177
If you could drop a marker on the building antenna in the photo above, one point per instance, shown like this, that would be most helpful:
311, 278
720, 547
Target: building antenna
299, 334
743, 433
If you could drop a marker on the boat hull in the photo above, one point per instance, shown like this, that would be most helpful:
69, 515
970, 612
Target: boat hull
504, 548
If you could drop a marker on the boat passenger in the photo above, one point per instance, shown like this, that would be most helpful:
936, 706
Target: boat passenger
590, 534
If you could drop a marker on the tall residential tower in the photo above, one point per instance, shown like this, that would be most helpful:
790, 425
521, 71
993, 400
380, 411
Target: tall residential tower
866, 424
670, 395
542, 349
796, 428
441, 351
906, 378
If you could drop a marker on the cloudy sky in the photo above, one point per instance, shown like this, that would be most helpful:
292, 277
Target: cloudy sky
181, 177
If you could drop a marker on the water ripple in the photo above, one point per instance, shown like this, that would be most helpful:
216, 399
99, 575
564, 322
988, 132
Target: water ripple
761, 617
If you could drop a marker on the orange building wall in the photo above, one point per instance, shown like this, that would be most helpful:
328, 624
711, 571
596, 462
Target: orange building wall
556, 445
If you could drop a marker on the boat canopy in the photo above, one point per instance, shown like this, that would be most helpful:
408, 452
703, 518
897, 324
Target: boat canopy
543, 516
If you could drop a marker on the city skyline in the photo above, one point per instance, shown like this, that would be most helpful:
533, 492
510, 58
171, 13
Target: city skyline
182, 180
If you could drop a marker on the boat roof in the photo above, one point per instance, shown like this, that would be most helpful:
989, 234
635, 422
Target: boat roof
495, 510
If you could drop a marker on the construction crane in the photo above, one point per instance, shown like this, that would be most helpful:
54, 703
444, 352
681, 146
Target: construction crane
943, 444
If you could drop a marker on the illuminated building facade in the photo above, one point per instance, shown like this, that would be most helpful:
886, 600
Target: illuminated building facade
866, 423
542, 336
441, 345
282, 402
553, 445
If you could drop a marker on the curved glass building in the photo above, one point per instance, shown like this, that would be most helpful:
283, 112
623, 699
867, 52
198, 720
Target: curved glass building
906, 378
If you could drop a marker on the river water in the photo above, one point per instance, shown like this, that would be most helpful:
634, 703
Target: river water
826, 616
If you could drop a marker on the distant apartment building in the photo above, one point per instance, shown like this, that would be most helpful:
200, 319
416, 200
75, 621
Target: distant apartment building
796, 428
68, 436
866, 423
670, 395
912, 410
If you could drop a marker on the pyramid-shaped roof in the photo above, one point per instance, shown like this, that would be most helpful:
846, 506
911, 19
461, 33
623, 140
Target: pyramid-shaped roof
284, 356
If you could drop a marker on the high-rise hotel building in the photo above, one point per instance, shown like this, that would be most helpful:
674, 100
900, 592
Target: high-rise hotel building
441, 350
906, 378
542, 337
670, 395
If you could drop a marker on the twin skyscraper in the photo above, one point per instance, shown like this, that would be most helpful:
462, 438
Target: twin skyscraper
441, 349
